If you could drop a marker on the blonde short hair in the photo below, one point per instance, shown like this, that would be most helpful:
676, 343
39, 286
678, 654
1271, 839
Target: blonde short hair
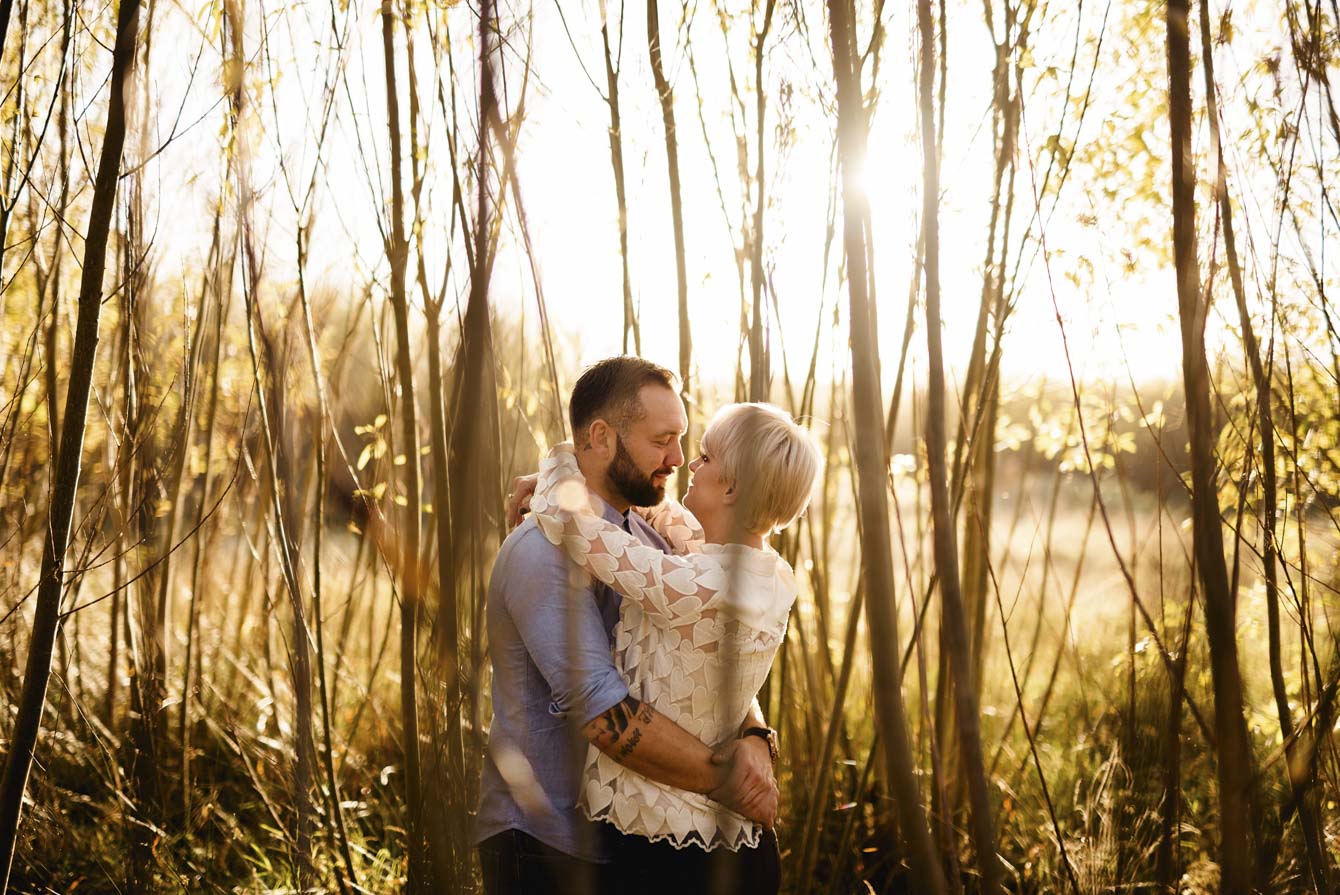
772, 459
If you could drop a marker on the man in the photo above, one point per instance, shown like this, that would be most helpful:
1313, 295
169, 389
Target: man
555, 686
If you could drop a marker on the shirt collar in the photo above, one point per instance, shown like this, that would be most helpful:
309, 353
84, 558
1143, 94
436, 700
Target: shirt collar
611, 515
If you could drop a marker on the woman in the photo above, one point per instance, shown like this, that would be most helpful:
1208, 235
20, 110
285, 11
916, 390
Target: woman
697, 632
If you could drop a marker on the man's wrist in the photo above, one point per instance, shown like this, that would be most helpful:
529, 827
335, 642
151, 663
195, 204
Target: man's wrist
767, 735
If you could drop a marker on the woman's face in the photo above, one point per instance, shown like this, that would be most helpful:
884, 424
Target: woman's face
706, 497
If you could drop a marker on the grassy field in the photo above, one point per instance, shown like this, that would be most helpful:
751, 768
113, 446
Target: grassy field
1094, 685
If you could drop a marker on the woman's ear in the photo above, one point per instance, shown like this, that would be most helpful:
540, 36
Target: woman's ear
732, 494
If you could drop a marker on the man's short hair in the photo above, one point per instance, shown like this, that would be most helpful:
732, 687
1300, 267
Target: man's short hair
609, 390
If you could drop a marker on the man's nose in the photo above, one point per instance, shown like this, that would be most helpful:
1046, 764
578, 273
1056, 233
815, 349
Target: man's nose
675, 458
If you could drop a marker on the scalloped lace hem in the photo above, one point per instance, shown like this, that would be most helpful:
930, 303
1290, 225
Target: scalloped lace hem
747, 838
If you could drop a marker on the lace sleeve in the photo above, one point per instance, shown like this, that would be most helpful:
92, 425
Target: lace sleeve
671, 587
676, 524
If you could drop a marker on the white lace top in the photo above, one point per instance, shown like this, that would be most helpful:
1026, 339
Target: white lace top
696, 636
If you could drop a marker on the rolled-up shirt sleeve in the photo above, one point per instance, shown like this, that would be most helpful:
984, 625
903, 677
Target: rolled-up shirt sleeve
556, 616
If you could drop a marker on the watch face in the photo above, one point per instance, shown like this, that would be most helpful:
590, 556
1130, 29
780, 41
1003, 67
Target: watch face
769, 736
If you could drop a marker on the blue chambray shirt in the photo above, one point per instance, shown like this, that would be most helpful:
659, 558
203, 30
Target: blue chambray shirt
550, 630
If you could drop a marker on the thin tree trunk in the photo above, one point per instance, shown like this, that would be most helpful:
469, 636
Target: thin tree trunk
397, 252
1235, 760
954, 630
348, 877
872, 473
284, 488
190, 684
630, 322
447, 633
475, 441
51, 349
46, 622
759, 367
1168, 858
275, 428
6, 9
449, 848
183, 438
818, 790
667, 99
1309, 822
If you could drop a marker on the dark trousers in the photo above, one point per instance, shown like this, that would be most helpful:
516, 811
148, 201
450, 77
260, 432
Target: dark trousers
515, 863
651, 868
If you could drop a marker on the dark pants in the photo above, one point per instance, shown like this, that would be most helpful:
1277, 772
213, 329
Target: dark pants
515, 863
648, 868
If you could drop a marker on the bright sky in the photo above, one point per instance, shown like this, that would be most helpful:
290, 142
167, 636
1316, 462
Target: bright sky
565, 174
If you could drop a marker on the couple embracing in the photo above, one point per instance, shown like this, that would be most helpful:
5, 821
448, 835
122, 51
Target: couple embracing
629, 637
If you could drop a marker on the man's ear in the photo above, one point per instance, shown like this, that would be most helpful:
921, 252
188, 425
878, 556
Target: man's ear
602, 438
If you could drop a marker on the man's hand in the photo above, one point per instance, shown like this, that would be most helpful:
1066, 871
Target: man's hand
749, 786
643, 740
518, 498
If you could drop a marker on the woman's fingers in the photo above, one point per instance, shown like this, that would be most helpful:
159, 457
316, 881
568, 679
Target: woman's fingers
725, 754
518, 498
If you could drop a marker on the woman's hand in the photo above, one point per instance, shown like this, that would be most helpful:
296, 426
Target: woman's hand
518, 498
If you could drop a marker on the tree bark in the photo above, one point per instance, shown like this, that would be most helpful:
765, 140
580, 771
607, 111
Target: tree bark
759, 367
473, 439
630, 323
954, 626
408, 561
872, 474
1234, 746
1310, 825
46, 621
667, 98
6, 9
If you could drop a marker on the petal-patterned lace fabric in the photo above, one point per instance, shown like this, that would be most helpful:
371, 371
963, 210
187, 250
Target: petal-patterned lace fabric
676, 524
696, 637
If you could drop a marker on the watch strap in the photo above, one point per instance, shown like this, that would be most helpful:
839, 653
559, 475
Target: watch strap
768, 735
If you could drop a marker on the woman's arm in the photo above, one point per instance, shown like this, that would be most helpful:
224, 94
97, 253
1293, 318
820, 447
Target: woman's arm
677, 525
672, 587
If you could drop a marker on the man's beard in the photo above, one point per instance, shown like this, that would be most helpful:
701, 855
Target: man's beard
631, 483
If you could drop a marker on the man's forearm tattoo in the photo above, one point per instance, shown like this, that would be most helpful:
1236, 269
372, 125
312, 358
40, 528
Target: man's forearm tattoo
627, 748
613, 724
619, 730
